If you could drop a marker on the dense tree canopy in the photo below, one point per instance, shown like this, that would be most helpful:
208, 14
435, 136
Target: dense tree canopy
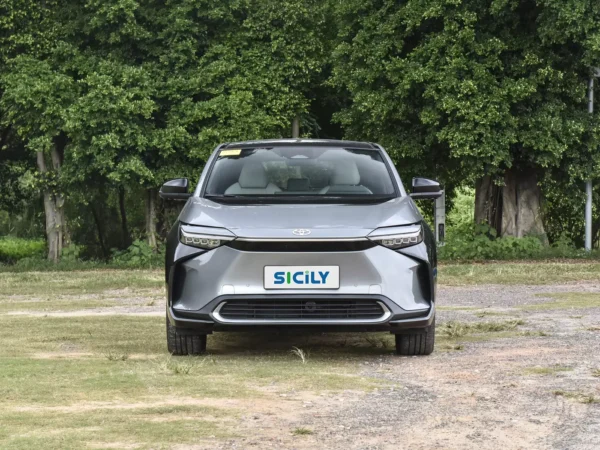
101, 101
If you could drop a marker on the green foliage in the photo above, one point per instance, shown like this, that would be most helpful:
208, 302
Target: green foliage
462, 212
461, 89
137, 92
479, 242
14, 249
139, 254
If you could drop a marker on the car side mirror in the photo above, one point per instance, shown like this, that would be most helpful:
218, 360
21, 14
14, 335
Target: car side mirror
176, 189
425, 188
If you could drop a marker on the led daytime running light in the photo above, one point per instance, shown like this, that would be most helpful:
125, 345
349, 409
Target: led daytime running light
203, 241
400, 240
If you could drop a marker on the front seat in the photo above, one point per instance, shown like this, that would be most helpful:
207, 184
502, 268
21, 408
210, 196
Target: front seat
253, 180
345, 180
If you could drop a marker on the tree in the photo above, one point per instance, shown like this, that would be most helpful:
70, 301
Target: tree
31, 98
123, 93
470, 90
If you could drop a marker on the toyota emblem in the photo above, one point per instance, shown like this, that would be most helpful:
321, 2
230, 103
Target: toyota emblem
301, 232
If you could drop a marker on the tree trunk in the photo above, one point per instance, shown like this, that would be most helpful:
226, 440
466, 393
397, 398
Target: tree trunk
99, 229
123, 211
53, 222
57, 156
521, 205
151, 217
488, 203
296, 127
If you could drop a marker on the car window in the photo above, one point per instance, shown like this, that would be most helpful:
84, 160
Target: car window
299, 171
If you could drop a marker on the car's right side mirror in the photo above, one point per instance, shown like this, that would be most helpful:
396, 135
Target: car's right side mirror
425, 188
176, 189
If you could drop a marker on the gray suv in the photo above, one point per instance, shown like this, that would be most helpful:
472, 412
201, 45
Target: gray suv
308, 234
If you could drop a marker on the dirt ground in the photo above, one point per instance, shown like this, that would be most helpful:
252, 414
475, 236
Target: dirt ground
536, 386
534, 390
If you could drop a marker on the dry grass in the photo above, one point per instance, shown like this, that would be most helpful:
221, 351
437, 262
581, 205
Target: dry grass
552, 370
455, 329
565, 301
580, 397
535, 272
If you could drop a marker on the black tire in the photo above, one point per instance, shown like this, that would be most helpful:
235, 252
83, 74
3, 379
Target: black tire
184, 344
418, 343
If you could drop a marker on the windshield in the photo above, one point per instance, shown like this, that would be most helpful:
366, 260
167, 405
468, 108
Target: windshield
303, 171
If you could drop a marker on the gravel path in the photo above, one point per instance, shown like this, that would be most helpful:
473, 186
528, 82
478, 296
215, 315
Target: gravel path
533, 390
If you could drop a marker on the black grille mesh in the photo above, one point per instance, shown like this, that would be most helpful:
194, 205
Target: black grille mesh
317, 309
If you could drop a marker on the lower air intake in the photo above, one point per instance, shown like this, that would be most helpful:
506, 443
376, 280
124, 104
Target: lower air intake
301, 309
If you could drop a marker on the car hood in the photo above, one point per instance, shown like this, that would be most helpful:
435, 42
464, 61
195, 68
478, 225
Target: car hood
278, 220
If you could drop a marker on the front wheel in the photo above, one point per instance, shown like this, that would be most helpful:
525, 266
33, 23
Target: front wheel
417, 343
184, 343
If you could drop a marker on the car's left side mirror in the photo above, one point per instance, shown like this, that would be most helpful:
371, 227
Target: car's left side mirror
425, 188
175, 190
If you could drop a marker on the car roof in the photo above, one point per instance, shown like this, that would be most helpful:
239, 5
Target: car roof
299, 141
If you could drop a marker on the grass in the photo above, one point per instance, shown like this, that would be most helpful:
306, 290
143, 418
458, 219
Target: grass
455, 329
552, 370
79, 282
580, 397
108, 381
535, 272
565, 301
300, 354
72, 378
121, 427
55, 304
450, 346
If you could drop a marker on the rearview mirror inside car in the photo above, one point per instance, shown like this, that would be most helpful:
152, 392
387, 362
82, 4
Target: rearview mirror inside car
425, 188
176, 189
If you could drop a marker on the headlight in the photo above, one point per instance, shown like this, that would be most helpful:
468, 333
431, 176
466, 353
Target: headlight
203, 240
398, 237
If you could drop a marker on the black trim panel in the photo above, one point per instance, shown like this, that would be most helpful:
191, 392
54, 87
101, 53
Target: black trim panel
299, 246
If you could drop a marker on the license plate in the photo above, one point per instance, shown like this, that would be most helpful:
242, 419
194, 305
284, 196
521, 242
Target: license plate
302, 277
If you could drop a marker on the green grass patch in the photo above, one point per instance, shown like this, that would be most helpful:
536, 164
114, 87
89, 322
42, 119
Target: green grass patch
126, 357
486, 313
121, 427
518, 273
301, 431
455, 329
580, 397
78, 282
53, 304
552, 370
565, 301
54, 372
457, 308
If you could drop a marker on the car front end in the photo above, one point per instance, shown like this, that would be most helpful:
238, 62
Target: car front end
271, 240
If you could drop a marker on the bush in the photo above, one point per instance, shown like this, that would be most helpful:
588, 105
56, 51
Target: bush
479, 242
14, 249
139, 254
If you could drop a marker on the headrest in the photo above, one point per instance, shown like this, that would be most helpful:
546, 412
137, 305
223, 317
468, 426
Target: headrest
253, 176
345, 173
298, 184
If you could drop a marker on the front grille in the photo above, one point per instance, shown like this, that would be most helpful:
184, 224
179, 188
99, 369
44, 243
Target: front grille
300, 246
303, 309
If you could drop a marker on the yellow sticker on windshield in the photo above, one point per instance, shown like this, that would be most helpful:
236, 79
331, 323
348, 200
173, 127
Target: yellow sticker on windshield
231, 152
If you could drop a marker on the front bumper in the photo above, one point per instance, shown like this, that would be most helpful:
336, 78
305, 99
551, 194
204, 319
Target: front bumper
401, 282
394, 319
